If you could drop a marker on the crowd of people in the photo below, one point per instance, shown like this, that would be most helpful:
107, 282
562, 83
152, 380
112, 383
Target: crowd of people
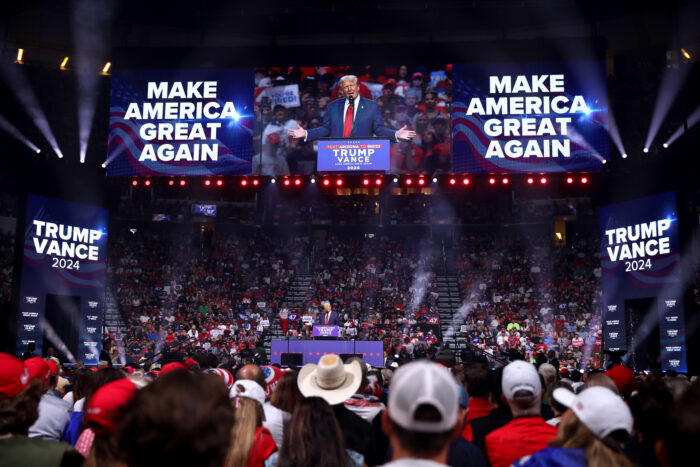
417, 98
337, 413
7, 259
526, 296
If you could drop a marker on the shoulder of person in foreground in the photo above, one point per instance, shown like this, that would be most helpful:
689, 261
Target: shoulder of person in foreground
554, 457
18, 451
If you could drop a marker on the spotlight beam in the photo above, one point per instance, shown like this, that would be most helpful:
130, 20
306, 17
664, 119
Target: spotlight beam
91, 23
13, 131
671, 84
25, 95
691, 121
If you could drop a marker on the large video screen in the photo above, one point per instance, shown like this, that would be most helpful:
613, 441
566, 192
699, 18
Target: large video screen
529, 117
640, 259
181, 122
391, 97
63, 278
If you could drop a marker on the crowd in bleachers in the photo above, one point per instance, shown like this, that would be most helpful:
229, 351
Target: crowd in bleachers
7, 258
418, 98
527, 296
178, 293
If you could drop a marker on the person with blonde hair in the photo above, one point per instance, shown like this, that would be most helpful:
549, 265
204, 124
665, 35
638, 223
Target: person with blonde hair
251, 443
591, 433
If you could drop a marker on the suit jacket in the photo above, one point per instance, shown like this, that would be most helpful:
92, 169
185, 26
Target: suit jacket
333, 320
368, 122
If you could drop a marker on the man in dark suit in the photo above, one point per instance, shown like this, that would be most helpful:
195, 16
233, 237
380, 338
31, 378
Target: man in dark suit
352, 117
328, 317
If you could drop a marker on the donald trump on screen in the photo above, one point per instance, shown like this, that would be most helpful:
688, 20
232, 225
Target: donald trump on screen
352, 117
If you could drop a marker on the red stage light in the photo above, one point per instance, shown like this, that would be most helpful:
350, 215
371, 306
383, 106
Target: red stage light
286, 182
147, 183
171, 182
421, 181
584, 180
183, 182
492, 181
409, 181
569, 180
219, 183
134, 183
365, 181
530, 181
543, 180
256, 182
465, 181
453, 181
326, 182
378, 182
244, 182
297, 181
505, 181
339, 182
207, 182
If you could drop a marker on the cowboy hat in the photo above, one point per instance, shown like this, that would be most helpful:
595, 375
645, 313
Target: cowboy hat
330, 379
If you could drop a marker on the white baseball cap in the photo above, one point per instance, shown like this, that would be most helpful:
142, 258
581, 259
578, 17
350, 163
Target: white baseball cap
520, 376
600, 409
248, 388
423, 383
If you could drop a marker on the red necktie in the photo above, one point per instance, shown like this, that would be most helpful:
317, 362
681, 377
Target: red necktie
347, 127
328, 314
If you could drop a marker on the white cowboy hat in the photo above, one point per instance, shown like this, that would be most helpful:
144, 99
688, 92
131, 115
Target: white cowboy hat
330, 379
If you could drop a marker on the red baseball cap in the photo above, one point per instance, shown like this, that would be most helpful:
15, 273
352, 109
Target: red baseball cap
172, 366
38, 368
53, 368
189, 362
14, 376
107, 401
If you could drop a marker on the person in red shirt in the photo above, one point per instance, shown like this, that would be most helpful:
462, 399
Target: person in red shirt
527, 433
476, 375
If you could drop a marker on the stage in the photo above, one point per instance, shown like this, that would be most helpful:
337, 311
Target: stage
372, 351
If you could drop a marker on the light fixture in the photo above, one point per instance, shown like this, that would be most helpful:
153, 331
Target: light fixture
685, 54
645, 150
20, 55
106, 68
64, 63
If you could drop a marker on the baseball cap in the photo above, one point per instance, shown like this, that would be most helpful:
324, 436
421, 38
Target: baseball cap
38, 368
14, 376
107, 401
53, 368
248, 388
600, 409
223, 374
172, 366
520, 376
423, 383
417, 74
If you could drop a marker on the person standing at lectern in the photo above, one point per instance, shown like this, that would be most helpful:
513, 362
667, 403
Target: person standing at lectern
328, 317
352, 117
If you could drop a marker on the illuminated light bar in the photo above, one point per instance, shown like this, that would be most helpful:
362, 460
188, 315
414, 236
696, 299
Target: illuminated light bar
171, 182
505, 181
378, 182
219, 182
365, 181
326, 182
286, 182
465, 181
64, 63
584, 180
147, 183
244, 182
339, 182
256, 182
106, 68
409, 181
20, 55
543, 180
297, 181
453, 181
530, 180
683, 51
207, 182
134, 183
183, 182
492, 181
569, 180
421, 181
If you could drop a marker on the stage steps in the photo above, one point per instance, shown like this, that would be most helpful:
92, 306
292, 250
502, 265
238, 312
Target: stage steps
113, 319
293, 299
449, 302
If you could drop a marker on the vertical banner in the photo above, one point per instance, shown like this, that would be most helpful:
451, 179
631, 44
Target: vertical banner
65, 249
640, 259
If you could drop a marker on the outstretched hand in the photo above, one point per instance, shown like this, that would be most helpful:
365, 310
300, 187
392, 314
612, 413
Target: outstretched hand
299, 132
404, 133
